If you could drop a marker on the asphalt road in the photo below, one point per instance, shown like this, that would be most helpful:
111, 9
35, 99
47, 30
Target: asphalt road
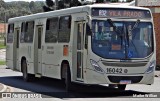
55, 90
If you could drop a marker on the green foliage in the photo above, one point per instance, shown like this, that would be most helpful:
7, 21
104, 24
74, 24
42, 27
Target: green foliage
19, 8
2, 63
2, 46
62, 4
49, 3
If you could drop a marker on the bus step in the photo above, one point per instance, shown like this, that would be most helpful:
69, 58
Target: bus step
79, 80
38, 75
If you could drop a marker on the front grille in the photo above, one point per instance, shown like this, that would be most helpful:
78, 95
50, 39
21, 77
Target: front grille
126, 64
117, 79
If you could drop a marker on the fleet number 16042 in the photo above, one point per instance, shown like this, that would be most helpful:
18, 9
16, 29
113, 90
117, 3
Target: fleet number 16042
114, 70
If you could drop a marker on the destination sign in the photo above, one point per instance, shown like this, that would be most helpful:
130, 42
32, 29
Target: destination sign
121, 13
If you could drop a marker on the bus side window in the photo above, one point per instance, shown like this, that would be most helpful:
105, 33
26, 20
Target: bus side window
26, 26
29, 32
48, 24
10, 33
51, 30
22, 32
64, 29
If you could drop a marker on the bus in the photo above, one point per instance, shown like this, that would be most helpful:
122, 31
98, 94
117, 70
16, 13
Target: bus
91, 44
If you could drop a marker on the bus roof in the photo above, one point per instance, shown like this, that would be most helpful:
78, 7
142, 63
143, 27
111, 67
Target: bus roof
71, 10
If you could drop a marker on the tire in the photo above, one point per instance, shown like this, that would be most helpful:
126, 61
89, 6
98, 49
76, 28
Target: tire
68, 85
121, 87
112, 86
26, 76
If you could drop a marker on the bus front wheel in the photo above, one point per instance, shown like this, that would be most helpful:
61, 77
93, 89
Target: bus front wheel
121, 86
26, 76
67, 77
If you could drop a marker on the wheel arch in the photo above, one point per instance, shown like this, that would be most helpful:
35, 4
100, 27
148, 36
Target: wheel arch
63, 70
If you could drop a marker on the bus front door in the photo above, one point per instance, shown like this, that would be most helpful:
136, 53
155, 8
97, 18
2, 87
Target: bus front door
80, 50
16, 49
38, 51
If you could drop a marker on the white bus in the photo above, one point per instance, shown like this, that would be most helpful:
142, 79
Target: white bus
91, 44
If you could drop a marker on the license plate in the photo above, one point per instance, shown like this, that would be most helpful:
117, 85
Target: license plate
125, 82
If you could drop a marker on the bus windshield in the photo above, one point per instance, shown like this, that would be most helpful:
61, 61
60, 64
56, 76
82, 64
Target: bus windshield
124, 40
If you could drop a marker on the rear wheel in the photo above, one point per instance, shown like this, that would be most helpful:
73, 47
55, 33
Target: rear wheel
121, 86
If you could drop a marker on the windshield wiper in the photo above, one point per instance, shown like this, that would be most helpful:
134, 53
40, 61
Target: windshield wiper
113, 25
129, 33
126, 40
135, 25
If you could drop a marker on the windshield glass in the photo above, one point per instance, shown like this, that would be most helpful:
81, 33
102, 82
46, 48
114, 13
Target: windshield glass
122, 39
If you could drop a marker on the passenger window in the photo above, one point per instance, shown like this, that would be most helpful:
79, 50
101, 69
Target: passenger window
22, 32
51, 30
29, 32
64, 29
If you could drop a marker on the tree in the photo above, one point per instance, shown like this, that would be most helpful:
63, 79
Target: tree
67, 1
129, 0
38, 6
99, 1
114, 0
2, 3
75, 3
61, 4
31, 6
49, 3
49, 6
18, 8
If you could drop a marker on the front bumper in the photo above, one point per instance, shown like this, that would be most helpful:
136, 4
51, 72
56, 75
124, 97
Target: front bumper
93, 77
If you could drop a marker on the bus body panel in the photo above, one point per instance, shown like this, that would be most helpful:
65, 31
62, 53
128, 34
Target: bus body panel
9, 55
12, 50
26, 51
52, 59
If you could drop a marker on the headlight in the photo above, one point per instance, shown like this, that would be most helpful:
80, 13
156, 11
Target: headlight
96, 67
151, 67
